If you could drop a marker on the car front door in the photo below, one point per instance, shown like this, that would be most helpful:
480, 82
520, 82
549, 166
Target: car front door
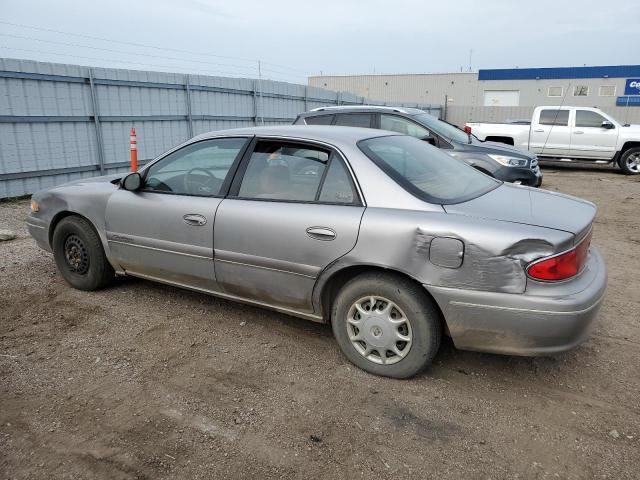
396, 123
165, 230
292, 210
589, 139
550, 134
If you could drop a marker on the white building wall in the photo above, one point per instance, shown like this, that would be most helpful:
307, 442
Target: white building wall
466, 94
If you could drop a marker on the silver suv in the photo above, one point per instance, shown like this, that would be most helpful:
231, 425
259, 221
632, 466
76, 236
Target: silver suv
495, 159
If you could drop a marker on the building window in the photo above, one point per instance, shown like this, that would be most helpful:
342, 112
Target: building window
580, 91
607, 91
554, 92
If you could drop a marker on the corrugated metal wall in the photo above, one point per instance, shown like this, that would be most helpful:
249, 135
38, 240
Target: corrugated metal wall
63, 122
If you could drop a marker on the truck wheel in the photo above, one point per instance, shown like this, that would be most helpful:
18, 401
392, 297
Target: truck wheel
630, 161
79, 254
386, 325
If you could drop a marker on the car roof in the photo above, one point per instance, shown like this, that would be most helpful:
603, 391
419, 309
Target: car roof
362, 108
320, 133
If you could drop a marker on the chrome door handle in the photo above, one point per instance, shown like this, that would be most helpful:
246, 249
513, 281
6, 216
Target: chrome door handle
578, 132
194, 219
539, 130
321, 233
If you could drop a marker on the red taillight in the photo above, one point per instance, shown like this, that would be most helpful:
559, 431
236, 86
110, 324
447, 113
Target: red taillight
562, 266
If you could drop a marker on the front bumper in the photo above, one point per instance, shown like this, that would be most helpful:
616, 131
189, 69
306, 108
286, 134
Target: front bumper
39, 231
524, 176
525, 324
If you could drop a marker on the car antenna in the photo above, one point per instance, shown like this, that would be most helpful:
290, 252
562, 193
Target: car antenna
555, 119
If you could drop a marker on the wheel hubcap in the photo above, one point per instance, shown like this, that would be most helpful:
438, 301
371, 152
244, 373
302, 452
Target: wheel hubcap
633, 162
379, 330
76, 255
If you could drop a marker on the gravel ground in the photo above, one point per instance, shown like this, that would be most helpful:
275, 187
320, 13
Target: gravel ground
147, 381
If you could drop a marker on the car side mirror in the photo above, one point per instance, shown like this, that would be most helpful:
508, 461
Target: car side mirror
608, 125
429, 139
132, 182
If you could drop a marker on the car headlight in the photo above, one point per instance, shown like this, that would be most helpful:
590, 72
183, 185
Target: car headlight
509, 161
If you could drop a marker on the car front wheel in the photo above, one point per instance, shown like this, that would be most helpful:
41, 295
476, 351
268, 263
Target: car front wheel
79, 254
386, 325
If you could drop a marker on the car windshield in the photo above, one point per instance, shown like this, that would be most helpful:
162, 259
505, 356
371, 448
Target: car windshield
425, 171
442, 128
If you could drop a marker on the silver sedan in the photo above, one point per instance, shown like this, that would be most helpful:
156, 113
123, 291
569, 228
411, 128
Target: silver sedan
387, 238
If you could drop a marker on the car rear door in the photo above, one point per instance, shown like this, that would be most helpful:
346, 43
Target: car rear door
589, 139
363, 120
293, 210
164, 231
550, 133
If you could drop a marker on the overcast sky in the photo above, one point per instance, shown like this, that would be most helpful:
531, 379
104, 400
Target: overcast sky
294, 39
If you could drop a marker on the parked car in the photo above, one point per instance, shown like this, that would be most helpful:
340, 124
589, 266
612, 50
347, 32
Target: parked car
497, 160
384, 236
570, 134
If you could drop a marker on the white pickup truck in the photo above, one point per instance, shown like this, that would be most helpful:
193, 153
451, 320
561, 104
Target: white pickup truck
570, 134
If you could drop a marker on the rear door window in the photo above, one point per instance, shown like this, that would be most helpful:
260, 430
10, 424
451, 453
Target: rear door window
554, 117
337, 186
319, 120
355, 120
283, 171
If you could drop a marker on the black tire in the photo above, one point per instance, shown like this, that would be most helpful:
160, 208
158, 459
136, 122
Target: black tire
79, 254
424, 319
623, 163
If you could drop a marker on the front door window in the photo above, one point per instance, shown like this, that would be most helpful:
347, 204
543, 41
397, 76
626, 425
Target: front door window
198, 169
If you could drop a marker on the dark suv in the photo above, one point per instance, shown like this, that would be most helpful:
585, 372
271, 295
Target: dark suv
496, 159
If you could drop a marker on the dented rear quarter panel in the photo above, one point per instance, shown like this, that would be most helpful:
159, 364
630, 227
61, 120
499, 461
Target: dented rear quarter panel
495, 252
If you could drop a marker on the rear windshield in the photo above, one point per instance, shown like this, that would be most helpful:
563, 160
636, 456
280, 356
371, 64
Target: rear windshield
425, 171
442, 128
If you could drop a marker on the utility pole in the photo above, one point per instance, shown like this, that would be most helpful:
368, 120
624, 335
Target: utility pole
260, 90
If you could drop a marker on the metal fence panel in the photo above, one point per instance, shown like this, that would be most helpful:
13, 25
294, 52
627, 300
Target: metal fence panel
64, 122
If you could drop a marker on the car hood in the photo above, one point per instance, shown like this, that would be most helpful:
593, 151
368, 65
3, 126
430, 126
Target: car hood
102, 179
497, 148
630, 131
530, 206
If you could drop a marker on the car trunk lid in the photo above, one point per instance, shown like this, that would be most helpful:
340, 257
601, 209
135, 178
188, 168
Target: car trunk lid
529, 206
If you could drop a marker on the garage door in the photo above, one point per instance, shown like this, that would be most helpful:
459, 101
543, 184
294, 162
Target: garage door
501, 98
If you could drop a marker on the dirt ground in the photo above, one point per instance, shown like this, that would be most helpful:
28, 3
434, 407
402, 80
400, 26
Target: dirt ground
147, 381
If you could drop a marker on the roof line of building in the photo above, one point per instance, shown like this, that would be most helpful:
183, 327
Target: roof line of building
608, 71
543, 73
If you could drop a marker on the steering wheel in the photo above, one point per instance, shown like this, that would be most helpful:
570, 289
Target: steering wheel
198, 186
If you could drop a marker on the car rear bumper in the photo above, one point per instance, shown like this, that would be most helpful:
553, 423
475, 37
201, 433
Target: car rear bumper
521, 324
38, 230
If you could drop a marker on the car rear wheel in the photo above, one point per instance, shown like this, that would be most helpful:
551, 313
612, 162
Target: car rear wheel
630, 161
79, 254
386, 325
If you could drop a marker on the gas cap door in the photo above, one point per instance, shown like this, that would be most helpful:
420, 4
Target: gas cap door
446, 252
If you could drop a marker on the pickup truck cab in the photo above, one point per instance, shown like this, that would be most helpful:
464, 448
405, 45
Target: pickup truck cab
570, 134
